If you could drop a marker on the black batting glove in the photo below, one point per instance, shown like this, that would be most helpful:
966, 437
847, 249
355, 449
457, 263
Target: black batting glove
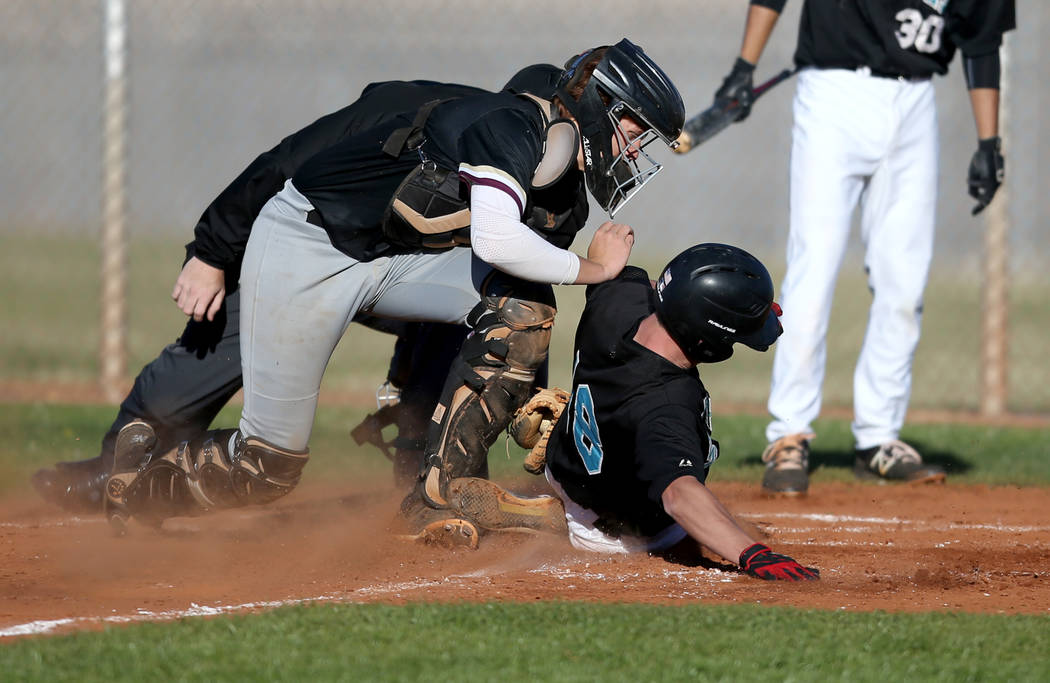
762, 563
986, 172
737, 92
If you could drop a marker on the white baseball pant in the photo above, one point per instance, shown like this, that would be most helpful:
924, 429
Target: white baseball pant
861, 138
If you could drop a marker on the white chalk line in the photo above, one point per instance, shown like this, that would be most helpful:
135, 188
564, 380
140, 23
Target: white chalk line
44, 626
72, 521
871, 522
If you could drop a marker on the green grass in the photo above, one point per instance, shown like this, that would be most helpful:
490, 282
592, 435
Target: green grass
49, 313
551, 642
38, 434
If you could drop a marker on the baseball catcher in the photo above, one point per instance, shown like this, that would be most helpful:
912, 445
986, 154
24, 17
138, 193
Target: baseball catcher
180, 392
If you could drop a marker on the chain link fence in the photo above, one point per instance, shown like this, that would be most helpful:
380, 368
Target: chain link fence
211, 84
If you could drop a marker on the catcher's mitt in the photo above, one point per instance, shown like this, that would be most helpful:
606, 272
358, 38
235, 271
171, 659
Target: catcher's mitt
532, 423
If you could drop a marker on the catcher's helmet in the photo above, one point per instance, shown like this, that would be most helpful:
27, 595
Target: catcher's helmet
540, 80
626, 82
714, 295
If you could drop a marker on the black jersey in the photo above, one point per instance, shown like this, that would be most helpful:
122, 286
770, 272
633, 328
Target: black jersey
635, 421
910, 38
224, 227
495, 139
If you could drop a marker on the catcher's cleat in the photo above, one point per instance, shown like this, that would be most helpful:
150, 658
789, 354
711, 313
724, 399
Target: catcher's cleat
449, 533
787, 466
493, 507
433, 526
73, 486
895, 461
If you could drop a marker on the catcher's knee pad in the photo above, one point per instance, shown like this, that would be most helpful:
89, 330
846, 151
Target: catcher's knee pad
219, 470
491, 379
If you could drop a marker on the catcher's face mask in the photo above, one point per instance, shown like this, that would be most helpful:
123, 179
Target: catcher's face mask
618, 118
616, 163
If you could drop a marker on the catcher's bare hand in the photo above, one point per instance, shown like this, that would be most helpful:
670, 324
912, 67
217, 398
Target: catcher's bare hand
762, 563
199, 289
607, 254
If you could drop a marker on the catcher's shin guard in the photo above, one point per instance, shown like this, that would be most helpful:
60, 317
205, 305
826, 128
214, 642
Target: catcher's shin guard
220, 469
490, 380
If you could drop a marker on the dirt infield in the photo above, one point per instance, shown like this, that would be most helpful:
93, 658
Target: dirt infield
893, 548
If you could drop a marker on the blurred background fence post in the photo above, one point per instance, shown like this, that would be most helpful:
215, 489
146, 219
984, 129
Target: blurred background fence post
995, 321
113, 249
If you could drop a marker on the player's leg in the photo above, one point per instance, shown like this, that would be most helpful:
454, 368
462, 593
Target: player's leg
440, 288
511, 321
491, 379
298, 296
828, 165
179, 393
898, 221
430, 349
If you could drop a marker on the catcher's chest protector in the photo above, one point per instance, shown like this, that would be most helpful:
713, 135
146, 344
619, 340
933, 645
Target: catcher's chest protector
431, 208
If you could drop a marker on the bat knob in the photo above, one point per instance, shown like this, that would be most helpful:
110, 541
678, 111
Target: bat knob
685, 143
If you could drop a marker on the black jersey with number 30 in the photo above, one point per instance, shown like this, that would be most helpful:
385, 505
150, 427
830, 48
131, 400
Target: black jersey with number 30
635, 421
911, 38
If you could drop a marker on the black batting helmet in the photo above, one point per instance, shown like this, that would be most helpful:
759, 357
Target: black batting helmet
624, 82
712, 296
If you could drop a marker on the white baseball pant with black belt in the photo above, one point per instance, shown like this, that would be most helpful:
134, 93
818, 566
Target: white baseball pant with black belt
862, 138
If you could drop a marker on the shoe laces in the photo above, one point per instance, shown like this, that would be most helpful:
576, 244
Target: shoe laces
788, 452
895, 451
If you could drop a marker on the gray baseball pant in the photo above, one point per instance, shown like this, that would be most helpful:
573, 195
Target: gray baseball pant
298, 296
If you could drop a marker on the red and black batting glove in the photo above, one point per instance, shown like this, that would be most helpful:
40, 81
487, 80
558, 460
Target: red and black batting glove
762, 563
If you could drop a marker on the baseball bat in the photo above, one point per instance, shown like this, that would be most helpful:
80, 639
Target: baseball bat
714, 119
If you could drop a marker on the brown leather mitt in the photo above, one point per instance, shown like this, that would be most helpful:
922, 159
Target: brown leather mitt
532, 423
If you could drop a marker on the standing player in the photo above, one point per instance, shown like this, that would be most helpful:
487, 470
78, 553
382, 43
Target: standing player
181, 391
372, 224
866, 131
631, 451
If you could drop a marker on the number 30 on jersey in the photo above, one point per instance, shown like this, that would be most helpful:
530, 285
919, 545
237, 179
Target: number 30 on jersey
924, 34
585, 430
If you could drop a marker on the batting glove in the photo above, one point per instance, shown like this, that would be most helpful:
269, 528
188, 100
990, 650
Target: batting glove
737, 91
762, 563
986, 172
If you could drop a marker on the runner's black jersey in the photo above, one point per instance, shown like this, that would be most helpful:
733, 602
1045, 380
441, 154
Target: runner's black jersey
910, 38
635, 421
